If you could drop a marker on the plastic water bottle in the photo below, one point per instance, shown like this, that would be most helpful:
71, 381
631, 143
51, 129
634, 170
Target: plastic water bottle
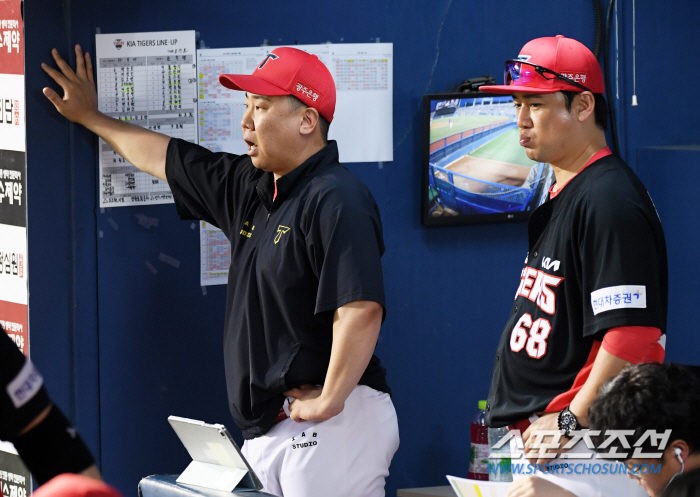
500, 468
478, 459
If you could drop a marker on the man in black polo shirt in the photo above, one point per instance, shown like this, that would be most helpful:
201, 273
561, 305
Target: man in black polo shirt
305, 295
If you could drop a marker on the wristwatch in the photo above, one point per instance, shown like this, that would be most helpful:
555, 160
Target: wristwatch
567, 422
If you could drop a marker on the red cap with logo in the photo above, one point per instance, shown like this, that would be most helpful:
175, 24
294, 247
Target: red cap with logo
289, 71
549, 65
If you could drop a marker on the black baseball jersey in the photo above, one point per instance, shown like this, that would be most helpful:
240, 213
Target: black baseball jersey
294, 261
596, 260
23, 395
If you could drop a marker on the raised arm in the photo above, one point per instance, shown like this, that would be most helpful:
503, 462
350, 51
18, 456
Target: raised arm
355, 331
143, 148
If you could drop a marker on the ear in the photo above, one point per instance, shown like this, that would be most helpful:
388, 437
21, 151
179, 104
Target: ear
585, 106
309, 121
678, 449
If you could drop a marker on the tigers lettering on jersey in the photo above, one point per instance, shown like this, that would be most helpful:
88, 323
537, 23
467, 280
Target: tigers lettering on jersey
528, 333
537, 286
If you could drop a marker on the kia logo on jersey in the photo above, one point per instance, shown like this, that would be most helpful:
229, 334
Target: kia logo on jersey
548, 264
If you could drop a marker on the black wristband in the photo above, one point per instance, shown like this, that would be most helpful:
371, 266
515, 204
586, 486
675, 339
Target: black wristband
53, 447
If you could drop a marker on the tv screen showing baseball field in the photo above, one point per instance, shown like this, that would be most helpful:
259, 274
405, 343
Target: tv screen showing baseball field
476, 169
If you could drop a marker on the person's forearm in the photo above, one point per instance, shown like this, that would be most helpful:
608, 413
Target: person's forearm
605, 367
142, 147
355, 331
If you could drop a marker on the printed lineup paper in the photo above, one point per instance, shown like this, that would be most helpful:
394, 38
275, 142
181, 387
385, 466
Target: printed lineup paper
147, 79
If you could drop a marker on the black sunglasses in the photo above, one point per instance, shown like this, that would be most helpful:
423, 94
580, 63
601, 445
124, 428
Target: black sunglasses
516, 73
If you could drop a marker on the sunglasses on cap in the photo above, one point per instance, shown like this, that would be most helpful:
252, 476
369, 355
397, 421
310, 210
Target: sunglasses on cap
516, 73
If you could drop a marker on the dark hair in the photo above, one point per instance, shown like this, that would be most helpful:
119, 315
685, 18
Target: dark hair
685, 485
323, 124
649, 397
600, 111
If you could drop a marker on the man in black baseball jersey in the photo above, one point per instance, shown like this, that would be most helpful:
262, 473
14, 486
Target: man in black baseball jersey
305, 294
38, 429
593, 292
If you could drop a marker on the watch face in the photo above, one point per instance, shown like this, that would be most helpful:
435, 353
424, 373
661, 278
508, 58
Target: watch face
568, 421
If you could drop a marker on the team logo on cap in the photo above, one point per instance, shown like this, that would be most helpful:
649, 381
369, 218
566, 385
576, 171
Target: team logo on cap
579, 78
268, 57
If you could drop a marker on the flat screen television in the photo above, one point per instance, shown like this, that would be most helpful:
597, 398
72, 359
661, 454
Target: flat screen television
474, 169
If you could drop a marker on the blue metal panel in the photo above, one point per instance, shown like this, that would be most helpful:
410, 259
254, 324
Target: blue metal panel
672, 175
61, 235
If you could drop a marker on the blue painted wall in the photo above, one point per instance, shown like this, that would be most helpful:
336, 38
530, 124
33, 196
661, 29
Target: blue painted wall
122, 348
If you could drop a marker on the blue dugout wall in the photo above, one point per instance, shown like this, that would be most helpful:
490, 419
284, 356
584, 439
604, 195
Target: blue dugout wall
121, 348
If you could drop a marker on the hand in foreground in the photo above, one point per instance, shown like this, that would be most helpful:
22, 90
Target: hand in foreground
310, 405
534, 486
547, 422
79, 101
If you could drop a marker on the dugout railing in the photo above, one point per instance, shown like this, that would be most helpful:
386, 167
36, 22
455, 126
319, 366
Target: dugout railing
443, 147
494, 197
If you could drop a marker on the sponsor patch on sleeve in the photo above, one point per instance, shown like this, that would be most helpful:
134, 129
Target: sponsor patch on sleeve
25, 385
619, 297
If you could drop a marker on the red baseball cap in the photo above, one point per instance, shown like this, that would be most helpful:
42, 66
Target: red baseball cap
549, 65
289, 71
70, 485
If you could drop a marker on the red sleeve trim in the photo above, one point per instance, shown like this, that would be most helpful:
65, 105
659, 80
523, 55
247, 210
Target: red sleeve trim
635, 344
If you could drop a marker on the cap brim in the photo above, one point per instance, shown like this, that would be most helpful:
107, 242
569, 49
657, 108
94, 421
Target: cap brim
253, 84
509, 89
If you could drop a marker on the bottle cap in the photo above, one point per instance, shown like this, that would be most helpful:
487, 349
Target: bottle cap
482, 405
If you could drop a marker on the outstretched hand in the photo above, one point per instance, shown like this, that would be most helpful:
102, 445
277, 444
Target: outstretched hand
79, 101
309, 404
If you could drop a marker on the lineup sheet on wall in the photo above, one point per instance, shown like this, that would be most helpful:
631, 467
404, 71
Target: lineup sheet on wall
147, 79
215, 255
362, 124
363, 120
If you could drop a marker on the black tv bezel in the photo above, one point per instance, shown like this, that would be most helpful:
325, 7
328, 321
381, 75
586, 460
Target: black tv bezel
425, 219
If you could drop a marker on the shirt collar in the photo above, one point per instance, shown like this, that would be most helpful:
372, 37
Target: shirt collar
597, 156
325, 157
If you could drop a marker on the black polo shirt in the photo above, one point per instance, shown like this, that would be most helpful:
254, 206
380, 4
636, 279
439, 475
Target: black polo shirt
294, 261
596, 260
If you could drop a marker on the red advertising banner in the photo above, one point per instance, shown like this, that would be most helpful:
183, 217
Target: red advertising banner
13, 318
11, 37
15, 480
13, 209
